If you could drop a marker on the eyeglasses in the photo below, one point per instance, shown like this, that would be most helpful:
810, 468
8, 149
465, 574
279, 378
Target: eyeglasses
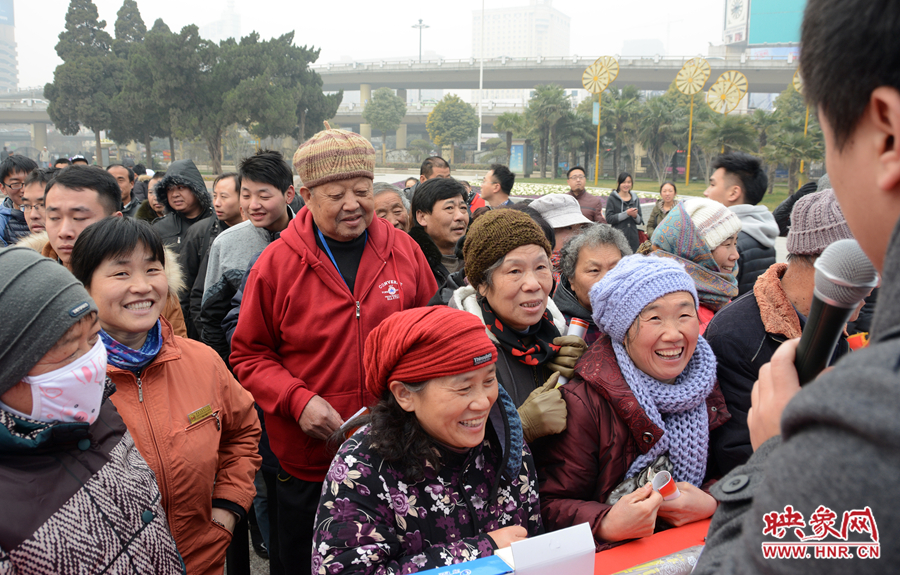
15, 185
28, 207
577, 178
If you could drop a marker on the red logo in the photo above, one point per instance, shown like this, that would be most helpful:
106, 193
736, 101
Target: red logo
827, 540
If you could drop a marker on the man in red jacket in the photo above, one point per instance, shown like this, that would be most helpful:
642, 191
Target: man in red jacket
310, 301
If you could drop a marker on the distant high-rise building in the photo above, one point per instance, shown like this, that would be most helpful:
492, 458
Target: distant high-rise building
227, 26
9, 66
530, 31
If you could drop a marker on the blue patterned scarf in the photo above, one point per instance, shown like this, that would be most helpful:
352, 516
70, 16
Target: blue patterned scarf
679, 409
677, 238
134, 360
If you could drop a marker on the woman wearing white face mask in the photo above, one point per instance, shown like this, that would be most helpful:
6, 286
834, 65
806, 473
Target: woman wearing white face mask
66, 457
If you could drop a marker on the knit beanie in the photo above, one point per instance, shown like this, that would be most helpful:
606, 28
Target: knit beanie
816, 222
714, 222
423, 343
333, 155
41, 300
494, 235
635, 282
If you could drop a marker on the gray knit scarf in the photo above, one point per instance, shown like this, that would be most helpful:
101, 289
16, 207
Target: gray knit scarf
679, 409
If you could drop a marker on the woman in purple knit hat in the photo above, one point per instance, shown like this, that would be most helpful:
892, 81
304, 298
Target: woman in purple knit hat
643, 400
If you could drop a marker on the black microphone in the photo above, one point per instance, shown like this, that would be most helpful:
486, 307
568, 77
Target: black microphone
844, 277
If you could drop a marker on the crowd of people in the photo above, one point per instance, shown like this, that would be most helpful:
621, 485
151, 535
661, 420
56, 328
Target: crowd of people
380, 376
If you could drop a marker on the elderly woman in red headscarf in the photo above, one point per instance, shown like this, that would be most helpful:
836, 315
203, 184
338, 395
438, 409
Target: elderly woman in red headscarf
438, 473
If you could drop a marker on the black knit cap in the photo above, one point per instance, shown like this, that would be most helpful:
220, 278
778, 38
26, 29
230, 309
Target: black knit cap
495, 234
41, 300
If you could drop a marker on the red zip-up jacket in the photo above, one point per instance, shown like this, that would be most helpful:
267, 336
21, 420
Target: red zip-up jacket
301, 332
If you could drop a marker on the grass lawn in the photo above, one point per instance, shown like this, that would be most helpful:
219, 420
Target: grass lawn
771, 201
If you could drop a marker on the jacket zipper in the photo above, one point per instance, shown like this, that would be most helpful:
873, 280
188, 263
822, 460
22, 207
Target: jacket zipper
357, 310
163, 485
359, 336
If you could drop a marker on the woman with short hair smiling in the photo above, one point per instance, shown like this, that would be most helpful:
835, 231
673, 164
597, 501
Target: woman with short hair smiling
438, 473
193, 423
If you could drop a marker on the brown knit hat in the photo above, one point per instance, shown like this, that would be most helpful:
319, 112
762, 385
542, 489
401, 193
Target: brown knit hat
333, 155
816, 222
494, 235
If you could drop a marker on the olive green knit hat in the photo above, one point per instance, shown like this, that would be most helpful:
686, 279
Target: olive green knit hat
494, 235
333, 155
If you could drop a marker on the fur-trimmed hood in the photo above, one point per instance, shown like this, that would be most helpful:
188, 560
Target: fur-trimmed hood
183, 173
432, 253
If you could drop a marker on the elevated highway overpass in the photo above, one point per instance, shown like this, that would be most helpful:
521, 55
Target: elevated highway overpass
763, 76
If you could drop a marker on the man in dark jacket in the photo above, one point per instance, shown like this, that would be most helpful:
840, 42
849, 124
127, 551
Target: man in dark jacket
183, 193
194, 255
125, 178
745, 334
825, 456
13, 171
440, 219
740, 183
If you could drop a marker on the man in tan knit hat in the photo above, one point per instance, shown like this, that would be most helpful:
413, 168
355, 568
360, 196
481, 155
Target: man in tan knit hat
745, 334
309, 303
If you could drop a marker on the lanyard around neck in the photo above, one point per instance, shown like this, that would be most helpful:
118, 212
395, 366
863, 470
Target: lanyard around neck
331, 256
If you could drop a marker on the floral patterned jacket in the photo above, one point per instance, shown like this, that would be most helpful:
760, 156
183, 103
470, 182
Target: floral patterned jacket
372, 521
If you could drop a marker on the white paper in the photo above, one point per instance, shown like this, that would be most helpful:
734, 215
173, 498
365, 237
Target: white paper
568, 551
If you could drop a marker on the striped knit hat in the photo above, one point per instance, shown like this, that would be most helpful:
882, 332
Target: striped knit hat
714, 222
333, 155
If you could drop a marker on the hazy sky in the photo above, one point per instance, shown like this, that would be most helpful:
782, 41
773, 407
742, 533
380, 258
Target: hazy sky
370, 30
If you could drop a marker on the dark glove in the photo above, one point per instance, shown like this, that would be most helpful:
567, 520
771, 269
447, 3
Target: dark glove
571, 349
544, 411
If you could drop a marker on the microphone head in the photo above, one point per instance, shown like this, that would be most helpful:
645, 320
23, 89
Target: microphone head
844, 274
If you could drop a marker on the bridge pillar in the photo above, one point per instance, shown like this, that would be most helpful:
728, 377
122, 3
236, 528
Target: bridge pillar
401, 93
39, 135
365, 94
401, 137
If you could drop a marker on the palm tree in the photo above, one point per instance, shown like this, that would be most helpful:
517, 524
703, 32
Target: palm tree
658, 123
794, 147
618, 113
730, 133
510, 123
548, 105
764, 122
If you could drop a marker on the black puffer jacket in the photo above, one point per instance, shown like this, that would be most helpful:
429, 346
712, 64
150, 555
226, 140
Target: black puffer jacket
173, 227
744, 335
79, 498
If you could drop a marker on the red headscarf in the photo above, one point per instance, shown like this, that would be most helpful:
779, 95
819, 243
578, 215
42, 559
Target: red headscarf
424, 343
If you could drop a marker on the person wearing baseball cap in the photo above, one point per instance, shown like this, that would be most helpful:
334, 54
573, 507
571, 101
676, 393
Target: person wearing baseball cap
438, 417
564, 215
310, 300
67, 458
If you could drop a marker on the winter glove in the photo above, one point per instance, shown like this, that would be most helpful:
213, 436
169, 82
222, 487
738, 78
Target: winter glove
571, 349
544, 411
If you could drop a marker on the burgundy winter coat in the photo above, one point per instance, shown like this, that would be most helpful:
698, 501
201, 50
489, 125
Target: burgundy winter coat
606, 430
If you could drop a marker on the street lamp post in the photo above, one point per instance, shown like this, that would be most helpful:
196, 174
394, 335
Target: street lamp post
420, 26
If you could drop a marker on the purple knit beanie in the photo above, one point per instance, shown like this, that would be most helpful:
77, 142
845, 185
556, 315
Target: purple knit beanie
816, 222
632, 285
